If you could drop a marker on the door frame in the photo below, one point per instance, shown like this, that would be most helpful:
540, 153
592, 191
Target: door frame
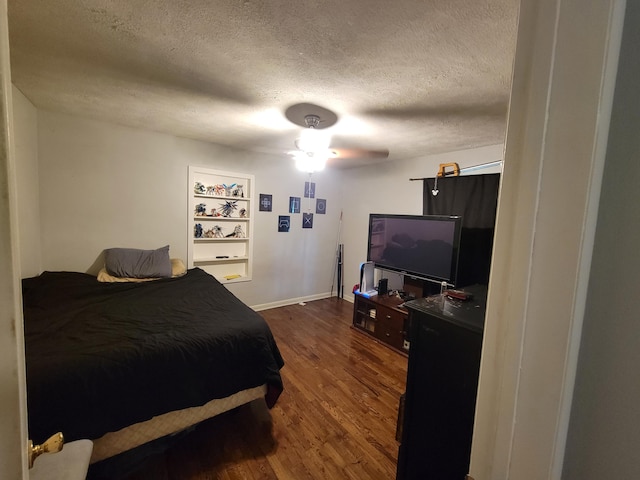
559, 114
13, 402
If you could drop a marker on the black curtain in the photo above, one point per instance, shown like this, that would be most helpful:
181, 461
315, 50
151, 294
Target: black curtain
475, 199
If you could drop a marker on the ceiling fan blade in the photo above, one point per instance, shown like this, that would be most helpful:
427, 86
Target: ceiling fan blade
358, 153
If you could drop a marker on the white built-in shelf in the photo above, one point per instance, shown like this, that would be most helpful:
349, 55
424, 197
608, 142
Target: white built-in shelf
223, 260
219, 197
241, 278
224, 219
230, 239
202, 251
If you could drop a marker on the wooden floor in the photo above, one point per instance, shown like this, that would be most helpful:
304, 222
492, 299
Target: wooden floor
336, 418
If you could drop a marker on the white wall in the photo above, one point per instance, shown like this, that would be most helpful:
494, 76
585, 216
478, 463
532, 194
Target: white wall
604, 436
104, 185
386, 189
299, 264
25, 118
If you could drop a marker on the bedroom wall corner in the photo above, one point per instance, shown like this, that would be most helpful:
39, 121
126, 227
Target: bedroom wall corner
25, 121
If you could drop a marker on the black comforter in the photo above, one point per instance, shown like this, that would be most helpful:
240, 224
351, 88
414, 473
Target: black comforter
104, 356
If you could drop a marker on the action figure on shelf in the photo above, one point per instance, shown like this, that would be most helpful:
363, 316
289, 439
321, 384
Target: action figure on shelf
211, 190
243, 213
218, 190
227, 208
238, 192
199, 188
198, 230
214, 232
237, 232
228, 189
201, 210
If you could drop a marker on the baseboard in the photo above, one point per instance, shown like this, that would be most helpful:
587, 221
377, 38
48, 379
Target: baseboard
290, 301
293, 301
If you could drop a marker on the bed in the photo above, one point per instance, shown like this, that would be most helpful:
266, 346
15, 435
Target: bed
112, 362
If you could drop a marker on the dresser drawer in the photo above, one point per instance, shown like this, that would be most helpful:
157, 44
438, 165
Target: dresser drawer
390, 326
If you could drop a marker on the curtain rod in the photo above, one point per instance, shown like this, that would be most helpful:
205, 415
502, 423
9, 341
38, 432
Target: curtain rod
467, 169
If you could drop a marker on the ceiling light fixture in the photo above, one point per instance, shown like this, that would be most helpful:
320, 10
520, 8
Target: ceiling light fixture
313, 146
310, 161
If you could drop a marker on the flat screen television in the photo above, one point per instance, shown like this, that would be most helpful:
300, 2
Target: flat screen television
421, 246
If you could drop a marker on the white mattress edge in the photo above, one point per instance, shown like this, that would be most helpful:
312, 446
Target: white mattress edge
113, 443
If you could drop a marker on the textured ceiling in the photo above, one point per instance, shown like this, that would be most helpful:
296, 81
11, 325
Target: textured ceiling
415, 77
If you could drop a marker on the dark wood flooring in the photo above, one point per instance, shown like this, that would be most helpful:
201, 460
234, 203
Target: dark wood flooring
336, 418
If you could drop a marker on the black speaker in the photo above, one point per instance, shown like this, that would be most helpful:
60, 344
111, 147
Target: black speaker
383, 286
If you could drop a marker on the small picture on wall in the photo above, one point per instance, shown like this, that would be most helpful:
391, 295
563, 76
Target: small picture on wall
309, 190
307, 220
294, 204
265, 202
284, 221
321, 206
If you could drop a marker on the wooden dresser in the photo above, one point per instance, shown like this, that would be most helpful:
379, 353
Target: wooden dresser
383, 318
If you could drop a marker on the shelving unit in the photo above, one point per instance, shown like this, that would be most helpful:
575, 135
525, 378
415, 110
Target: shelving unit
382, 318
223, 243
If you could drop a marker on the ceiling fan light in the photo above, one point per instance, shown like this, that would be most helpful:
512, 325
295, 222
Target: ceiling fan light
311, 162
313, 140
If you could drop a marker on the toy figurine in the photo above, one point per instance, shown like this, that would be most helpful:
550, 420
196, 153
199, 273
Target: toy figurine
199, 188
198, 230
228, 208
243, 213
201, 210
218, 190
211, 190
228, 189
238, 191
214, 232
237, 232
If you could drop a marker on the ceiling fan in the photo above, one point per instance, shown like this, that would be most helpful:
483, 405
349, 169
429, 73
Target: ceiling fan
313, 146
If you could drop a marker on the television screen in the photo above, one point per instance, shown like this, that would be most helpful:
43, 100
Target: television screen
423, 246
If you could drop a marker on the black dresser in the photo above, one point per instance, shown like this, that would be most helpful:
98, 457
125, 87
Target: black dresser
442, 381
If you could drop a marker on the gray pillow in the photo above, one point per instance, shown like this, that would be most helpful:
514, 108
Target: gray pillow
136, 263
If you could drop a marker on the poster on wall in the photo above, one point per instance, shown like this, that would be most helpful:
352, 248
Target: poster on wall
309, 190
265, 202
294, 204
307, 220
321, 206
284, 221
